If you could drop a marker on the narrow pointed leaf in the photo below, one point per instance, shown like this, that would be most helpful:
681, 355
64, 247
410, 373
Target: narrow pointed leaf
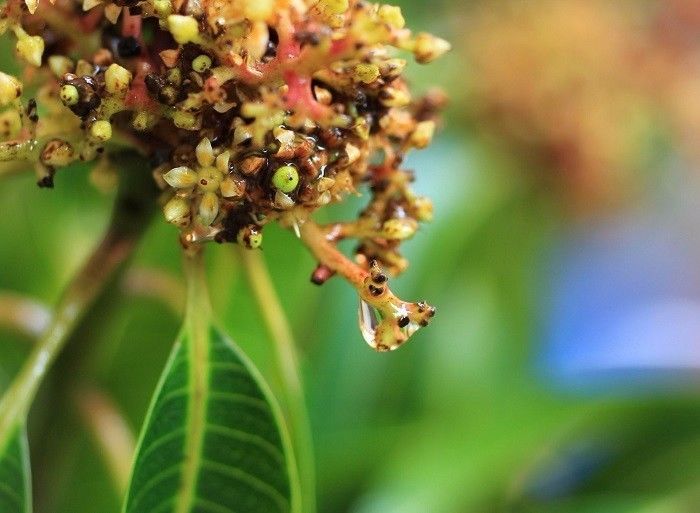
212, 440
15, 478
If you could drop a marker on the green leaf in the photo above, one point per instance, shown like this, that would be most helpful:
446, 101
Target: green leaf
213, 440
15, 474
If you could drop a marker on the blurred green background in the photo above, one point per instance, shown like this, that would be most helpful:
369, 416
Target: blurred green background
560, 374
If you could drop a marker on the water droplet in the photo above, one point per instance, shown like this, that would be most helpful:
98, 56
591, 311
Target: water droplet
369, 319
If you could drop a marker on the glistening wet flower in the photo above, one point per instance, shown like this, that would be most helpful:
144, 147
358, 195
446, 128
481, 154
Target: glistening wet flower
252, 111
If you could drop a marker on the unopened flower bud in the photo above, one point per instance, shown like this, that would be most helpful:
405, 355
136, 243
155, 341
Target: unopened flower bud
117, 79
177, 212
250, 237
393, 97
285, 179
60, 65
391, 15
201, 63
422, 136
184, 29
143, 120
30, 48
427, 47
399, 229
366, 73
10, 89
185, 120
163, 7
69, 95
334, 6
101, 130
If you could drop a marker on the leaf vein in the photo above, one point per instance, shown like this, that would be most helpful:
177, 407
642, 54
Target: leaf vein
240, 398
151, 483
256, 440
249, 479
212, 506
156, 444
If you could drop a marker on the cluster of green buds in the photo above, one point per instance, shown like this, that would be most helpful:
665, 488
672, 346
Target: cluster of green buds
251, 111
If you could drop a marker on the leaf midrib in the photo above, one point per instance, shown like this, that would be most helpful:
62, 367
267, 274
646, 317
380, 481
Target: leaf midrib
198, 348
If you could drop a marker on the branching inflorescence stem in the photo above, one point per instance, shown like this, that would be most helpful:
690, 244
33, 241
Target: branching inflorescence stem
385, 320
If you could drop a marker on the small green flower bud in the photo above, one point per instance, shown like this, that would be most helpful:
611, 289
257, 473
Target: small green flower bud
391, 15
201, 63
69, 95
10, 89
185, 120
177, 212
174, 76
117, 79
101, 130
366, 73
285, 179
143, 120
163, 7
399, 229
181, 177
184, 29
250, 237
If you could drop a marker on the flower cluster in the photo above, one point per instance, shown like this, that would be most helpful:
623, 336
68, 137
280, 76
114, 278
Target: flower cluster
583, 90
251, 111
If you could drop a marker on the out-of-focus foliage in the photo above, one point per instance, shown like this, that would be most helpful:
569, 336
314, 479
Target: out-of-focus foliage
466, 417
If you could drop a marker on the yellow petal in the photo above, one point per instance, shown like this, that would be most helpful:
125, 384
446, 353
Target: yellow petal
112, 12
32, 5
89, 4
